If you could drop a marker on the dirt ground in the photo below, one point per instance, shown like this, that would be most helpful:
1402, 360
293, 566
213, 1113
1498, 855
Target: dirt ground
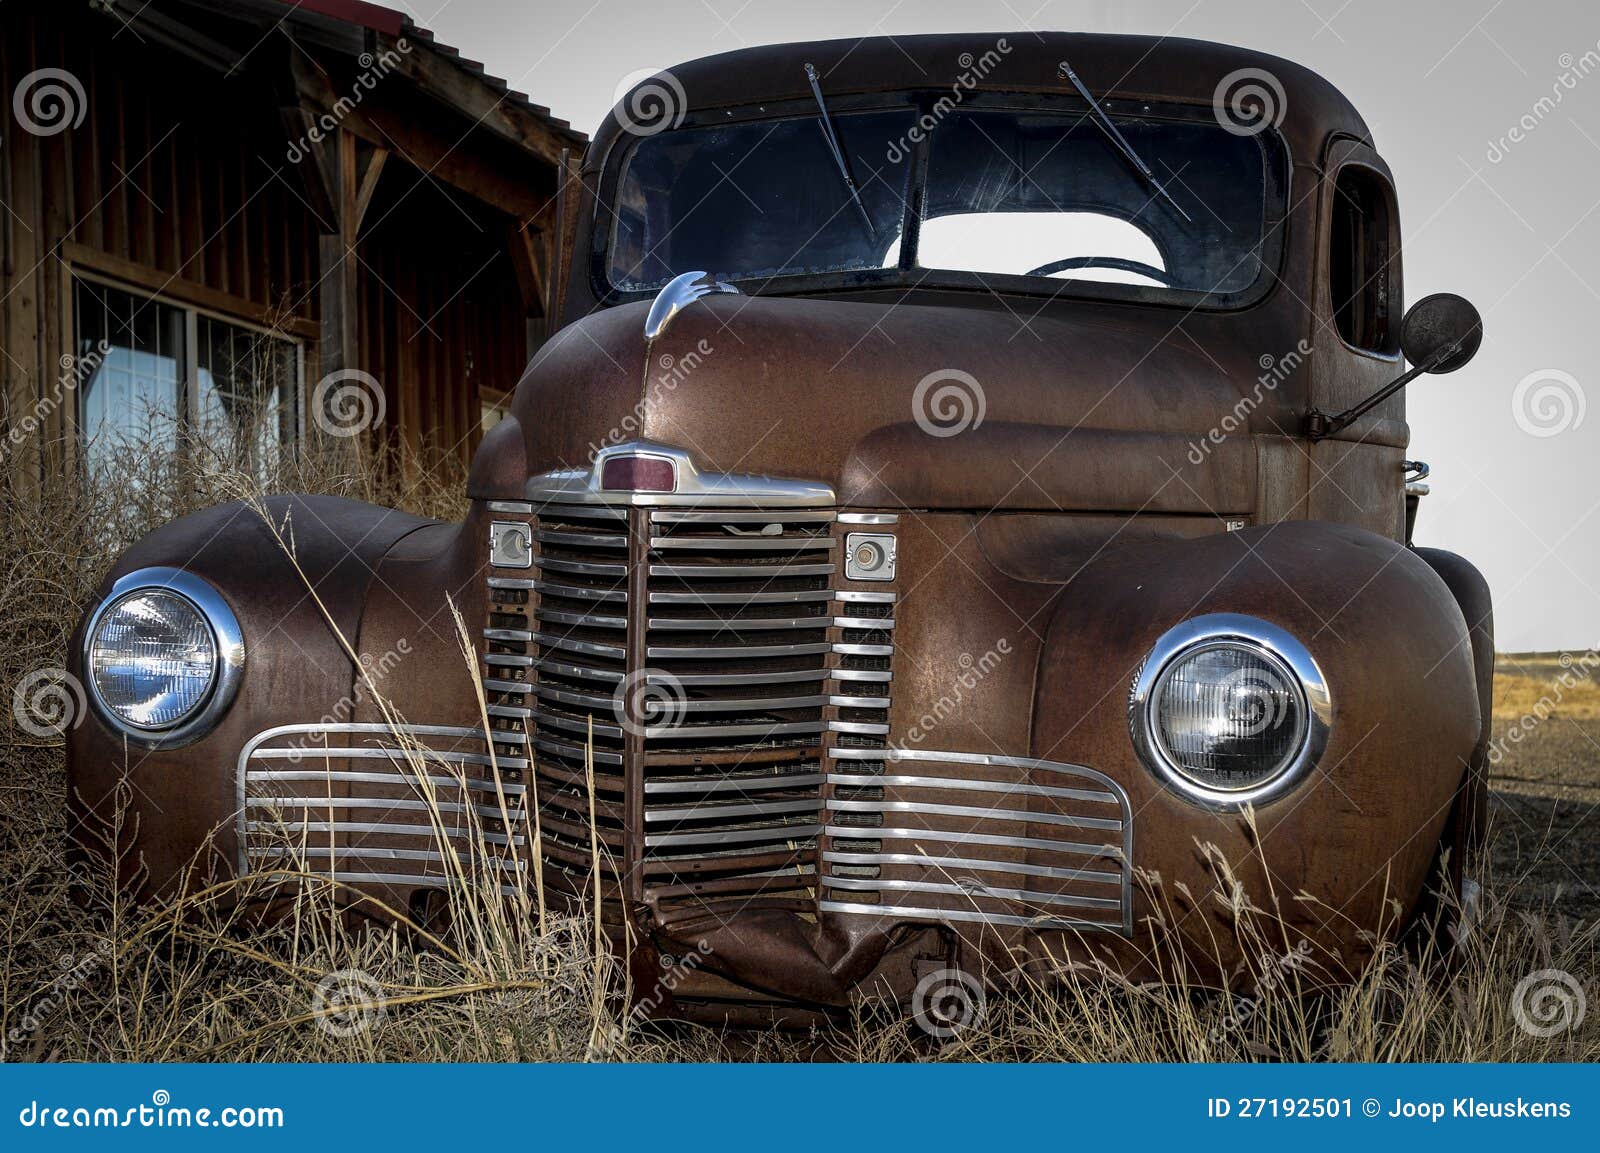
1545, 780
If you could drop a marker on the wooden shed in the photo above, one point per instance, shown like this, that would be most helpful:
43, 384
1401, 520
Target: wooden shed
213, 210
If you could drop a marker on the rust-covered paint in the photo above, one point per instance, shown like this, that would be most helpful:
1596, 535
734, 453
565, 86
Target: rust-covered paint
1048, 546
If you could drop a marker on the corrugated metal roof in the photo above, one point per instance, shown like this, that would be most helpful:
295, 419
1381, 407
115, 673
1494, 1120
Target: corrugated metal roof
393, 23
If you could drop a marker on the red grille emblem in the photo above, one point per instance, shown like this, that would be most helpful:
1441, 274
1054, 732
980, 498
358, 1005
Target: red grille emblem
638, 474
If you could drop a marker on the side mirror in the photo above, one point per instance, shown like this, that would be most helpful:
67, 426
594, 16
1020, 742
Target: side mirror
1441, 332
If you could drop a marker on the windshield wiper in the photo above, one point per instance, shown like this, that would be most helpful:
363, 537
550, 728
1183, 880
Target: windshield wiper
1120, 141
838, 153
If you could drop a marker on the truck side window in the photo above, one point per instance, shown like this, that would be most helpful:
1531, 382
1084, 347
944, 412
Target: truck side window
1359, 269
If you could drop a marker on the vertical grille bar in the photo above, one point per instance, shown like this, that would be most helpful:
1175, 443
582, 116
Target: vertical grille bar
633, 727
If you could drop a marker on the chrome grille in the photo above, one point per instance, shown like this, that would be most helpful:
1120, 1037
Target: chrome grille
964, 837
737, 628
409, 806
555, 653
694, 646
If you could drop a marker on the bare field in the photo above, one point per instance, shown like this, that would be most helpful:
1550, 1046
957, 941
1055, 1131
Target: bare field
1545, 807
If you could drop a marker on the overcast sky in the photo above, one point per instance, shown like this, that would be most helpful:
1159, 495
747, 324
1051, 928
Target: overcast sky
1511, 224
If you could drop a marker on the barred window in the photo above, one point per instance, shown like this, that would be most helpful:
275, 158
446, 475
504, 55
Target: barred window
158, 373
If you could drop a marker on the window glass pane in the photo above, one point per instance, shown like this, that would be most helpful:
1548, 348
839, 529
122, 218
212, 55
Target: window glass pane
1047, 194
759, 198
245, 392
1359, 256
132, 399
245, 395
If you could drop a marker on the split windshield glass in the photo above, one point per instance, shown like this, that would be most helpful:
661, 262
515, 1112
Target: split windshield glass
1037, 194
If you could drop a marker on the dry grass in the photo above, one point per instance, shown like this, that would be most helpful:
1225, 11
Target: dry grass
102, 979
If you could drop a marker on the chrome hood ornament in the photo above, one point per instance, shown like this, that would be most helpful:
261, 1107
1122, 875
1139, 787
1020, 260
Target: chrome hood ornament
679, 293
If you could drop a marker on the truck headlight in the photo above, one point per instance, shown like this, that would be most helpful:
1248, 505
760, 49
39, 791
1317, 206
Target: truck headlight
1229, 710
162, 655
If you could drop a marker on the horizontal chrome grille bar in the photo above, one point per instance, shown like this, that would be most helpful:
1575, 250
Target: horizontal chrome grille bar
857, 650
581, 727
575, 752
745, 704
739, 624
381, 854
691, 680
580, 568
786, 728
522, 635
760, 516
499, 686
734, 784
966, 915
580, 592
745, 543
1026, 896
713, 811
385, 827
556, 510
581, 539
861, 728
734, 836
573, 645
386, 803
420, 881
881, 676
508, 660
696, 652
974, 864
319, 753
580, 620
606, 704
691, 571
868, 518
844, 702
578, 672
508, 788
973, 785
931, 810
761, 598
952, 837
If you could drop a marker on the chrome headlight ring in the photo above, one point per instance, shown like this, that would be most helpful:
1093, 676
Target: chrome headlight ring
227, 641
1274, 649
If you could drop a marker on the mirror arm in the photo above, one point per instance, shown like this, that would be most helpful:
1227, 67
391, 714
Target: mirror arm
1320, 426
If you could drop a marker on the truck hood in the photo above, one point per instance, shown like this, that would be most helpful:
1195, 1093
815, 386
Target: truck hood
893, 405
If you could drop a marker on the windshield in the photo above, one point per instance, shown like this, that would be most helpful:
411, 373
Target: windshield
1007, 193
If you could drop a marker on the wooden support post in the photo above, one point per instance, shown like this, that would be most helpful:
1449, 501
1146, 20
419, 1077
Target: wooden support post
338, 263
